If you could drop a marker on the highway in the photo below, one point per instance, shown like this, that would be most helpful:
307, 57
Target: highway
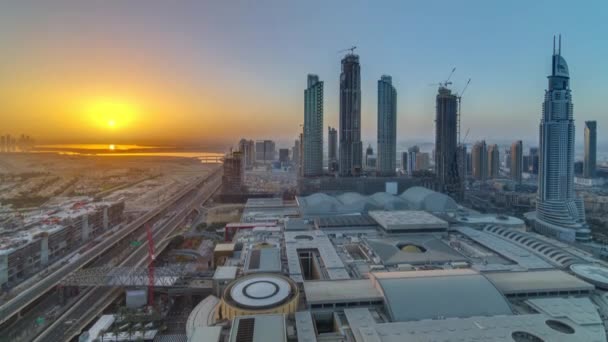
26, 297
92, 304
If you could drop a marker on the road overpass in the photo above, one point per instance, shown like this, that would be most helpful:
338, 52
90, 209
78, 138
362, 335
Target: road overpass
92, 304
28, 296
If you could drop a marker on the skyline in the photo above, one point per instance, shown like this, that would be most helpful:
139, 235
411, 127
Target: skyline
170, 74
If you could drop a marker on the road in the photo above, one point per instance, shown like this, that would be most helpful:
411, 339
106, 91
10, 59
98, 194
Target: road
16, 304
92, 304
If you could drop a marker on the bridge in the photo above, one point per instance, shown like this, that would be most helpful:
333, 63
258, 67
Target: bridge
98, 298
132, 276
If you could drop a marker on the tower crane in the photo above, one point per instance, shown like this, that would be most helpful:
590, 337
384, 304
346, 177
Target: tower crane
351, 49
446, 82
459, 99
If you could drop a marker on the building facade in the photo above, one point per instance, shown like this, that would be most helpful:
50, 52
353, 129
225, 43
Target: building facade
265, 151
589, 165
233, 177
413, 156
559, 212
313, 128
446, 142
351, 148
479, 161
516, 164
247, 148
493, 161
387, 127
332, 149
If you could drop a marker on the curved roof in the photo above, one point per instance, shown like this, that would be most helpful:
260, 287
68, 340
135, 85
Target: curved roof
386, 201
421, 296
350, 198
424, 199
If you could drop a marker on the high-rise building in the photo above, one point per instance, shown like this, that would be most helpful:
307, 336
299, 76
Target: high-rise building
332, 149
284, 155
423, 161
590, 149
234, 174
387, 127
2, 144
493, 161
479, 161
313, 128
413, 155
461, 152
369, 153
351, 148
247, 148
404, 160
507, 158
559, 212
533, 161
265, 151
446, 142
516, 164
295, 153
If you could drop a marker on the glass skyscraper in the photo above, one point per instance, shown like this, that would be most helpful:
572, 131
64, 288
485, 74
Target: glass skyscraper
590, 149
387, 127
559, 212
351, 148
313, 128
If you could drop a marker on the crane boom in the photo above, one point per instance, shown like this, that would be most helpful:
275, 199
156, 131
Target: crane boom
351, 49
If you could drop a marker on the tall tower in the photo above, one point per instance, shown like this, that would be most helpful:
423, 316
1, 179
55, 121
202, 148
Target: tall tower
516, 166
559, 212
493, 161
479, 161
332, 149
387, 127
313, 127
446, 142
351, 148
590, 149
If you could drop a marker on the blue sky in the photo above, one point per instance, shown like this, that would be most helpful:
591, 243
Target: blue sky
250, 58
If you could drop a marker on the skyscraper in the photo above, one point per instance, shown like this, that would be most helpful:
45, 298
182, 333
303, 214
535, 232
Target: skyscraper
479, 161
493, 161
404, 159
446, 142
387, 127
590, 149
533, 160
463, 170
559, 212
313, 127
351, 148
247, 149
265, 151
332, 149
516, 165
233, 175
413, 156
295, 153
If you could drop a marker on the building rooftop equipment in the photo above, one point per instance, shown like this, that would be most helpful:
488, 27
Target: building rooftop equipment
224, 247
538, 283
404, 221
481, 220
298, 224
323, 293
258, 328
595, 274
345, 221
438, 294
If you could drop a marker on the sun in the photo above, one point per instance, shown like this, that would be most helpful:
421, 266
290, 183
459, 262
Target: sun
111, 114
112, 147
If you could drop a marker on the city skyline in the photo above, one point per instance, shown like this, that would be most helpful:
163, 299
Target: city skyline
55, 94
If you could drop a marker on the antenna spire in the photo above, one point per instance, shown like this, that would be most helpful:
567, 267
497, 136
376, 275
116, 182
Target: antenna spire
554, 44
559, 52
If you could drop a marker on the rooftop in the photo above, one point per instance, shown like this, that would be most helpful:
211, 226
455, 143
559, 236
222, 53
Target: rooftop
408, 220
258, 328
339, 291
535, 282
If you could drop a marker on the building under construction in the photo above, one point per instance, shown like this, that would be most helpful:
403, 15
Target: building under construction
234, 174
446, 143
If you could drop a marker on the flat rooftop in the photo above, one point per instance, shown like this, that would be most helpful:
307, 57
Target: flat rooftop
413, 249
407, 220
340, 291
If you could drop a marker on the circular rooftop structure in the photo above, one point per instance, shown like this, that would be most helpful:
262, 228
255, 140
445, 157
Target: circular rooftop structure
595, 274
259, 294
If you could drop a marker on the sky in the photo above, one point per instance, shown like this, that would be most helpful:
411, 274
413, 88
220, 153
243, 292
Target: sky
192, 72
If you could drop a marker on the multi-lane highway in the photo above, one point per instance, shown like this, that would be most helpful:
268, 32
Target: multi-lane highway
90, 305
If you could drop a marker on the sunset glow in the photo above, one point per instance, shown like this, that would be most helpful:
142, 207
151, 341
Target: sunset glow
111, 114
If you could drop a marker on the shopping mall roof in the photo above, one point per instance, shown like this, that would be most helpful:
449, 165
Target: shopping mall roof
263, 260
403, 221
258, 328
305, 327
340, 291
413, 249
416, 295
538, 283
595, 274
425, 199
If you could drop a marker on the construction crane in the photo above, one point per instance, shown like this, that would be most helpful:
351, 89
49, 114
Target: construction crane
460, 98
446, 82
351, 49
150, 266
